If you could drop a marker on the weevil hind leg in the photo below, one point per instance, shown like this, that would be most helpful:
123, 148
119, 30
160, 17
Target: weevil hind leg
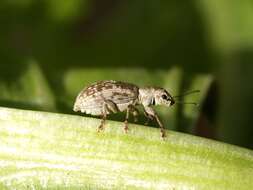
105, 110
102, 124
152, 114
108, 107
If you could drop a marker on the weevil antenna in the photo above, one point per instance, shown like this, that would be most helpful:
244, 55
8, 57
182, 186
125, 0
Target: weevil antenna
192, 103
186, 93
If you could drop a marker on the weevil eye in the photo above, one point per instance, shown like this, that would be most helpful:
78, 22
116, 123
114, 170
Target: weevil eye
165, 97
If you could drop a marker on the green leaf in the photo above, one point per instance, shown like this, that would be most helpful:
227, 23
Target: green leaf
57, 151
29, 90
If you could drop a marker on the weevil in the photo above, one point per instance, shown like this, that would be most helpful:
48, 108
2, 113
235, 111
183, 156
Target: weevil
109, 96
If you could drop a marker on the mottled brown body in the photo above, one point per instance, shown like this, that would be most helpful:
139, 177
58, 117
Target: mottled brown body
92, 99
105, 97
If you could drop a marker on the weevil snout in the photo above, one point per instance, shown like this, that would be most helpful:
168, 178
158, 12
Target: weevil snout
172, 101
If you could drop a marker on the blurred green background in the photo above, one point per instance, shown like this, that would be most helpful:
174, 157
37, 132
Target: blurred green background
51, 49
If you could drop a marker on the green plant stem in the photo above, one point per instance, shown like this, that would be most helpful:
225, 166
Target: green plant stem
56, 151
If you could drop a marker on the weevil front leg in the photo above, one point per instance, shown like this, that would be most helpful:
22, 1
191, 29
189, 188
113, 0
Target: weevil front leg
149, 117
152, 113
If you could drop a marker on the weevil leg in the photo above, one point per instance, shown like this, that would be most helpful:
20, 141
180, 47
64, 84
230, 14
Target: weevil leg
162, 129
111, 106
102, 124
149, 117
135, 113
126, 120
153, 114
104, 114
108, 106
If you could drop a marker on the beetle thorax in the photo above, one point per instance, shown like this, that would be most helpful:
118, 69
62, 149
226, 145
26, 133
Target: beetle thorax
146, 96
155, 96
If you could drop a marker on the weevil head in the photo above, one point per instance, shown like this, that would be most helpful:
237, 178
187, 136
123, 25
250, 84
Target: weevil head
155, 96
162, 97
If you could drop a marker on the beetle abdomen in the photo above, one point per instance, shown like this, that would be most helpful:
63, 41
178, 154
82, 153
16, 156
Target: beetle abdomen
91, 100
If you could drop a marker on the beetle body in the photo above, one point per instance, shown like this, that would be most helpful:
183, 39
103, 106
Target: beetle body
106, 97
91, 99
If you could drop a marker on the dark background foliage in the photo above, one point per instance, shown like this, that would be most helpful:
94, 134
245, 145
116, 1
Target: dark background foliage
50, 50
